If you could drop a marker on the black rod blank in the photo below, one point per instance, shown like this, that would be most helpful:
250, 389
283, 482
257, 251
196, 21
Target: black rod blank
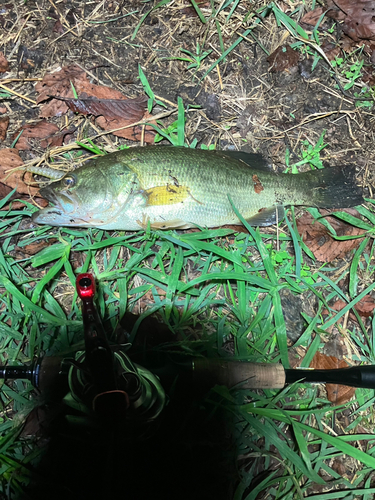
354, 376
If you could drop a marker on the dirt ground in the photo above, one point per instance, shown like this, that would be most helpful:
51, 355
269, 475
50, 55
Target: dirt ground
249, 101
244, 103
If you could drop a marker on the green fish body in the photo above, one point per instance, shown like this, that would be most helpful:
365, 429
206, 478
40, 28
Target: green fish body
173, 187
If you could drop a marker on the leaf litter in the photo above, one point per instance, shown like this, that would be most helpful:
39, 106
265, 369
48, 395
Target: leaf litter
4, 123
4, 64
113, 109
41, 134
319, 240
17, 179
365, 307
337, 394
283, 58
358, 22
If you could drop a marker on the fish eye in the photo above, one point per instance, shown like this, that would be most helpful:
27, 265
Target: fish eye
68, 181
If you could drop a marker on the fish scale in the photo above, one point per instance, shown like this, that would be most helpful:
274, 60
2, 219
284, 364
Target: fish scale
173, 187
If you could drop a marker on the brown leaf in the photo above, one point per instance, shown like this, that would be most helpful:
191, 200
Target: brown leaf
58, 139
4, 122
369, 74
36, 423
337, 394
364, 307
283, 58
339, 467
3, 109
331, 50
34, 248
58, 27
337, 306
312, 17
9, 158
358, 17
360, 27
324, 247
59, 85
131, 110
46, 133
132, 133
4, 65
4, 190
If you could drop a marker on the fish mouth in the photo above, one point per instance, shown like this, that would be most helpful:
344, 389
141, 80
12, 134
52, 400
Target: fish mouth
62, 201
63, 211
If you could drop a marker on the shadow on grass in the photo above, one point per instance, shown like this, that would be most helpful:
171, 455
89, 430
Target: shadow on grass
187, 455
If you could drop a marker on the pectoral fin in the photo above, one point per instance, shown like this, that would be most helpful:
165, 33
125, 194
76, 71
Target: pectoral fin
170, 224
267, 216
167, 224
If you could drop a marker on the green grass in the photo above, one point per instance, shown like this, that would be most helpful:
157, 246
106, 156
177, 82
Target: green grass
234, 297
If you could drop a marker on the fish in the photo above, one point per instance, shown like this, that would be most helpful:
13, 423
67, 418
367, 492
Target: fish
180, 188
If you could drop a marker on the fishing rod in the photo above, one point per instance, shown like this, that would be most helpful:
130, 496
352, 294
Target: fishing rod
103, 378
229, 373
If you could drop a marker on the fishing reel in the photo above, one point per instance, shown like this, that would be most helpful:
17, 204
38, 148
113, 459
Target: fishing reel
103, 378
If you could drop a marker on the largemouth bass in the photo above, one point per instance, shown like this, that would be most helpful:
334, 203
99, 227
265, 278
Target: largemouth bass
173, 187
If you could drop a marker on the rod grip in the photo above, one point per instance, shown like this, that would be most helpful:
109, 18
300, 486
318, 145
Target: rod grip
231, 373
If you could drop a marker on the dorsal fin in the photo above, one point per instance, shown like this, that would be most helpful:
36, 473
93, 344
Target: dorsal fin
254, 160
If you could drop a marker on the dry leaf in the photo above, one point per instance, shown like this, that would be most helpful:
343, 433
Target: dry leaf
4, 65
4, 190
47, 134
36, 247
58, 28
358, 17
368, 74
312, 17
59, 84
9, 158
364, 307
283, 58
339, 467
4, 122
323, 246
337, 394
133, 133
331, 50
126, 109
36, 422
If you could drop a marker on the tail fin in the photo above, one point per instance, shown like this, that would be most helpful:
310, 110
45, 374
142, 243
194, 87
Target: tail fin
334, 187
